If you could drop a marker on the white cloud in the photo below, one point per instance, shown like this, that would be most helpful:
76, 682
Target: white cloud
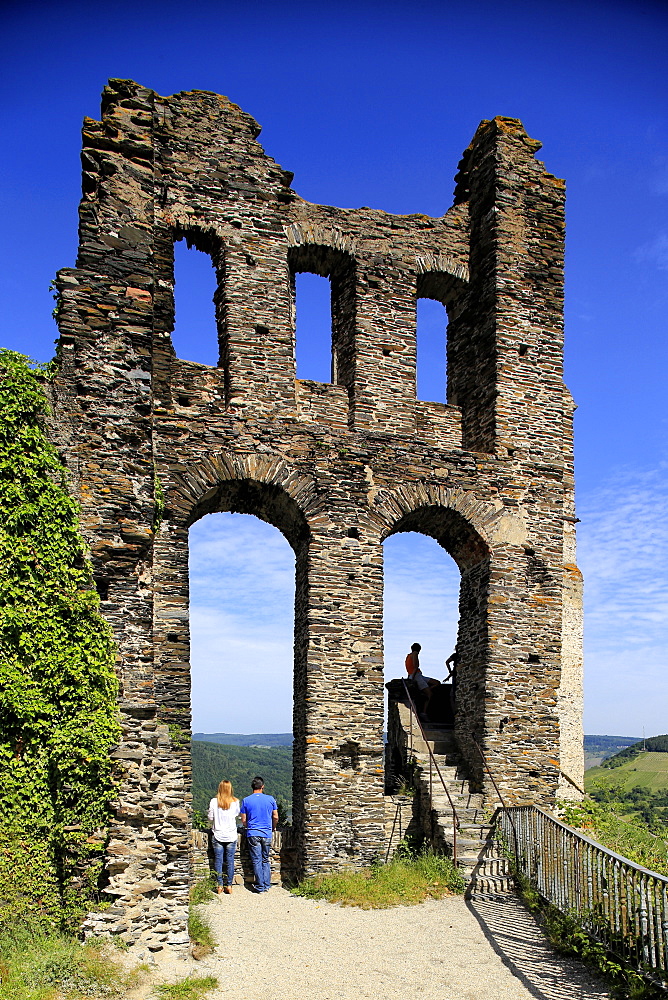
654, 253
242, 609
242, 605
241, 621
623, 545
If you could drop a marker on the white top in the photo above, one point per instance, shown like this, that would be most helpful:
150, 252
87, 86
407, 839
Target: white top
224, 821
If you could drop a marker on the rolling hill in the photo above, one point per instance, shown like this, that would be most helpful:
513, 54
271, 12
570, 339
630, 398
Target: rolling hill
246, 739
239, 764
658, 744
599, 748
647, 770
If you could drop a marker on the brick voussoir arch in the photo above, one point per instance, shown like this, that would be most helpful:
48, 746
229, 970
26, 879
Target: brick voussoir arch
493, 526
442, 264
196, 490
300, 234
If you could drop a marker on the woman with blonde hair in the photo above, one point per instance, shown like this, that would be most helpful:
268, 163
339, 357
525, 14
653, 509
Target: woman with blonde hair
223, 812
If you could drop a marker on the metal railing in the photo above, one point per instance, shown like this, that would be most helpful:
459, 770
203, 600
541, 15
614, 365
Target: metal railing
619, 903
433, 765
499, 796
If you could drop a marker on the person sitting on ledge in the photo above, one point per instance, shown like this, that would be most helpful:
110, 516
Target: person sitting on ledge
424, 685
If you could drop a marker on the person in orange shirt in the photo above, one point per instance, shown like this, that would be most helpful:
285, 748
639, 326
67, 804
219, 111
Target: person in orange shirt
425, 685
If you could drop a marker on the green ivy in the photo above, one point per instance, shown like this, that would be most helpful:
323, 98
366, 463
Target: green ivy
58, 719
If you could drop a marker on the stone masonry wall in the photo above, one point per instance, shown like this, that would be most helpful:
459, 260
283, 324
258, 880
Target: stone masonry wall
154, 442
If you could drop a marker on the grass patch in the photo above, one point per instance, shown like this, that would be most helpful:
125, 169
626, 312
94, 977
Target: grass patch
402, 882
187, 989
37, 965
202, 890
201, 935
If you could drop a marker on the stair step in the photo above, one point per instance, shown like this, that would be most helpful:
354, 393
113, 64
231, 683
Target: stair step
483, 866
465, 843
477, 853
491, 886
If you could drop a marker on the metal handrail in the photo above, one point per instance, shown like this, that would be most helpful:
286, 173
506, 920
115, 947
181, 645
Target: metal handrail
619, 903
432, 760
498, 792
572, 782
397, 816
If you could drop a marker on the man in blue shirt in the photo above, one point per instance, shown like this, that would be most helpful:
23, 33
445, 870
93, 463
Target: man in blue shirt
259, 815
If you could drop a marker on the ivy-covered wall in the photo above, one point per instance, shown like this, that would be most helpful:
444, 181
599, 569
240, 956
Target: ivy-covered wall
58, 717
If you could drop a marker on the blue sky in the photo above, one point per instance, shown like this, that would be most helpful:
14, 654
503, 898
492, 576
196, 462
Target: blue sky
372, 103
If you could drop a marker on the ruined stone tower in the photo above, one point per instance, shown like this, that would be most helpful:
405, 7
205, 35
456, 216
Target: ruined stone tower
154, 442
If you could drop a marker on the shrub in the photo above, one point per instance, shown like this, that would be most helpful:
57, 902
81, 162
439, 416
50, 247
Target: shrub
40, 965
601, 822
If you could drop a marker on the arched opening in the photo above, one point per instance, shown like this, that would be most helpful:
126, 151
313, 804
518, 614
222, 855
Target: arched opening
420, 603
432, 322
234, 652
467, 574
196, 280
241, 572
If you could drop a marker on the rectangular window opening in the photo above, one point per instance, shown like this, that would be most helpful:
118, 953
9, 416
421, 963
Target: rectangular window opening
313, 333
432, 323
195, 334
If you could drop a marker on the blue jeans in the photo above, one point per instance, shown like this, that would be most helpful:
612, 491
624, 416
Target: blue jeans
224, 852
258, 848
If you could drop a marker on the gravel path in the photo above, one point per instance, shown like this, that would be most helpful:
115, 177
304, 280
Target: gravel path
283, 947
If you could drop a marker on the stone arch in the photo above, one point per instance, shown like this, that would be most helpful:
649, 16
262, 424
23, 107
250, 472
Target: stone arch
304, 235
269, 488
201, 488
493, 524
442, 263
470, 530
445, 281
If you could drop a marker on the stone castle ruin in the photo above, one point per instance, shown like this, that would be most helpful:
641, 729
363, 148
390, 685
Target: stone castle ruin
154, 442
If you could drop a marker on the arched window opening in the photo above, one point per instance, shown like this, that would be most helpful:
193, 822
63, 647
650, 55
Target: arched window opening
195, 334
242, 593
432, 322
313, 336
440, 602
420, 603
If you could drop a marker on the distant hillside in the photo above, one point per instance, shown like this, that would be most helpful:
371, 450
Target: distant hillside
653, 744
648, 771
596, 743
212, 763
245, 739
599, 748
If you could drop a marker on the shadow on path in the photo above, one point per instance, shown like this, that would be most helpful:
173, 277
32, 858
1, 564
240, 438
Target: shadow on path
521, 945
